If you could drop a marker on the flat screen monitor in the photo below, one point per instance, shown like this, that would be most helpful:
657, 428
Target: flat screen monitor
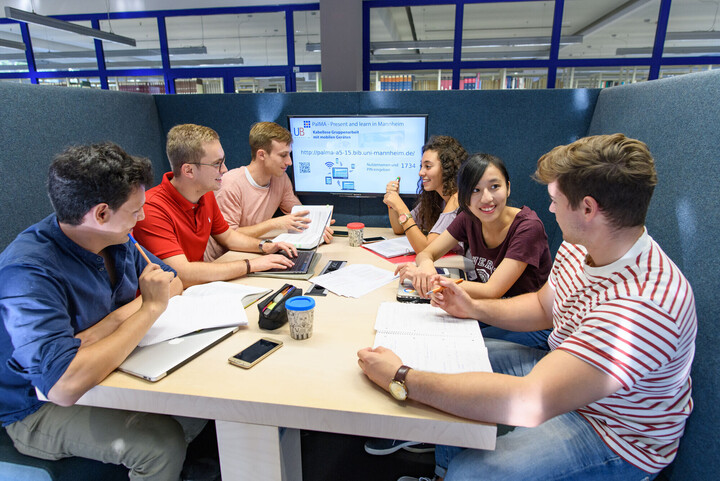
356, 155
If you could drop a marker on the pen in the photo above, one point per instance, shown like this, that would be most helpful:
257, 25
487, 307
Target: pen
139, 248
440, 288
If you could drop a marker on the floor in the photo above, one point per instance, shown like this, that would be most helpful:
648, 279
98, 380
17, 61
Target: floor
333, 457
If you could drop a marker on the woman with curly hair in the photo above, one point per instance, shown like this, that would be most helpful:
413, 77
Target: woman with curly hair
437, 202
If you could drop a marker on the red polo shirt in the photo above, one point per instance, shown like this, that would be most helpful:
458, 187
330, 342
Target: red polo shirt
173, 225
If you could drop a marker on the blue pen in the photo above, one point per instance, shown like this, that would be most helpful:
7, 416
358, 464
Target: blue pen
139, 248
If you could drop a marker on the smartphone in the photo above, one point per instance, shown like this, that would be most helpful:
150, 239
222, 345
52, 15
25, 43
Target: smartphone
255, 353
368, 240
340, 233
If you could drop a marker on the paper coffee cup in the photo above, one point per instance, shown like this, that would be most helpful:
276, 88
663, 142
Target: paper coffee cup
355, 233
301, 314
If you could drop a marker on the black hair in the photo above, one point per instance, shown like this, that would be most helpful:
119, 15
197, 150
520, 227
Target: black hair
472, 171
84, 176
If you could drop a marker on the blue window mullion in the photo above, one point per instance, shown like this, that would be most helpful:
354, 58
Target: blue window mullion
659, 45
29, 54
100, 56
555, 43
165, 55
457, 44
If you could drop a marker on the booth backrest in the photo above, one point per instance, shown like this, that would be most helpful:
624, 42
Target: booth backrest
679, 119
517, 126
38, 122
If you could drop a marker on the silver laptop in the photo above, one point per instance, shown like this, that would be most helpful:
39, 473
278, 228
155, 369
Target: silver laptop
156, 361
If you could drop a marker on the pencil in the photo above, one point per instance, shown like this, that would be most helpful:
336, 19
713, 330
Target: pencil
139, 248
440, 288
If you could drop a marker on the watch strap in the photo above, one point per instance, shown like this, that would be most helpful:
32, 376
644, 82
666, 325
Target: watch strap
401, 374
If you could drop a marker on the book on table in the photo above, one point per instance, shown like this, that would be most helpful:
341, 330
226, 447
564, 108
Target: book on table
320, 217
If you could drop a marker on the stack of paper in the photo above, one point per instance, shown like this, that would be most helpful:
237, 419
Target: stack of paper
399, 246
354, 280
206, 306
320, 217
429, 339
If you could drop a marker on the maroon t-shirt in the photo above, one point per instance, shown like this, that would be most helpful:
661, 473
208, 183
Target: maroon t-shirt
526, 241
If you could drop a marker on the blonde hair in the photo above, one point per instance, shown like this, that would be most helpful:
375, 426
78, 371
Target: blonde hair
263, 133
185, 144
617, 171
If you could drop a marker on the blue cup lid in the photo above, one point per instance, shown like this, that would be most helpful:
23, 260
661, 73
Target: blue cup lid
300, 303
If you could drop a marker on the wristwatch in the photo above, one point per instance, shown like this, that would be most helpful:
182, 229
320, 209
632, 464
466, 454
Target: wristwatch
398, 389
404, 217
262, 243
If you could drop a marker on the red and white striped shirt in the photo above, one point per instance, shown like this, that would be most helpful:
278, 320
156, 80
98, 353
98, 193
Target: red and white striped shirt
634, 320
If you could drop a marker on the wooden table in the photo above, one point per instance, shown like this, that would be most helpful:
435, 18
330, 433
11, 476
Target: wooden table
313, 384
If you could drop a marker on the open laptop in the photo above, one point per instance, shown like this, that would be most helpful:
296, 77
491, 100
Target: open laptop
156, 361
301, 263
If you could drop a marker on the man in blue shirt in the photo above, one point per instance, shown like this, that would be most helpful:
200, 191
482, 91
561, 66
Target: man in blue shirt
70, 316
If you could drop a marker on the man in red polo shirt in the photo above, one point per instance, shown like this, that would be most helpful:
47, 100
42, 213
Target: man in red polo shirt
181, 214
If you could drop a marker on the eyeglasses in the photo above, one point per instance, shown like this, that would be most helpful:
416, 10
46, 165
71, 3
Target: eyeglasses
218, 166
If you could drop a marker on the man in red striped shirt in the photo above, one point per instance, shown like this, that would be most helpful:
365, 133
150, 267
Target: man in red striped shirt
611, 398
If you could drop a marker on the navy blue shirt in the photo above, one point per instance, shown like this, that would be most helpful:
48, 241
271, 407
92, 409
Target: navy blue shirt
50, 290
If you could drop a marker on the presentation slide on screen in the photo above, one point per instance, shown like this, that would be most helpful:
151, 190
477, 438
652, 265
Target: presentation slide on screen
356, 154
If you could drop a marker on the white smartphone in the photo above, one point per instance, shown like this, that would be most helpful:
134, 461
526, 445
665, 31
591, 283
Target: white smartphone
255, 353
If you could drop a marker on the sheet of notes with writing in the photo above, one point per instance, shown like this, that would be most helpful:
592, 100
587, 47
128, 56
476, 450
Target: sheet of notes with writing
429, 339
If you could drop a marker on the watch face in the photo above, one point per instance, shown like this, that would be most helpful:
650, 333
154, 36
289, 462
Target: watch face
402, 218
398, 391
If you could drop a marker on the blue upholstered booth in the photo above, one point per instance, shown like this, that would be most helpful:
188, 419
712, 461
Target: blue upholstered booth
678, 118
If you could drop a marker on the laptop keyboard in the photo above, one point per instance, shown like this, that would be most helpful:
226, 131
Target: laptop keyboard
301, 263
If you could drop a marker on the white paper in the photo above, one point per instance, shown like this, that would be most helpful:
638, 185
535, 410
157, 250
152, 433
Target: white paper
206, 306
354, 280
429, 339
320, 216
399, 246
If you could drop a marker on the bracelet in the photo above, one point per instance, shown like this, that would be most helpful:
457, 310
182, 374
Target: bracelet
247, 266
414, 225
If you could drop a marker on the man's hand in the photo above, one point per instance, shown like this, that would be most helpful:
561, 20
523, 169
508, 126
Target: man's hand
155, 286
294, 222
379, 364
453, 299
273, 247
272, 261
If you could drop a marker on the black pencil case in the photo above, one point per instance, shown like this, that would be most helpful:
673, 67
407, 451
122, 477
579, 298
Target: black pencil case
275, 317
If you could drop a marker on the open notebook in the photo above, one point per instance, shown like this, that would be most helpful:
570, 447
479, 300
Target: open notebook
320, 217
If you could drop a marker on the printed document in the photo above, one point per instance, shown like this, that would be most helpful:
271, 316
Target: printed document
354, 280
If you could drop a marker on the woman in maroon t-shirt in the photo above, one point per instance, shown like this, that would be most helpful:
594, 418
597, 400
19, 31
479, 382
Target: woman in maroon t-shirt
509, 246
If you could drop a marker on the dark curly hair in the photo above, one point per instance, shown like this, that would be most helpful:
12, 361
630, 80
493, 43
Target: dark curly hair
84, 176
451, 155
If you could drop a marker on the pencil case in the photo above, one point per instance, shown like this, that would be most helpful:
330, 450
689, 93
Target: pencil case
272, 310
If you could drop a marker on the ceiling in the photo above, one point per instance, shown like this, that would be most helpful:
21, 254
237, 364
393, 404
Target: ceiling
516, 30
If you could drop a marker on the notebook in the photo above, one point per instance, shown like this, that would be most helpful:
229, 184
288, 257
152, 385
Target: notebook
156, 361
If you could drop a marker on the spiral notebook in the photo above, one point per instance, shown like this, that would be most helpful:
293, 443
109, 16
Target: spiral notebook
430, 339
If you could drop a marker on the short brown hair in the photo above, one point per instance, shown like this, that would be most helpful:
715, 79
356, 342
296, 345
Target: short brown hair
263, 133
617, 171
185, 144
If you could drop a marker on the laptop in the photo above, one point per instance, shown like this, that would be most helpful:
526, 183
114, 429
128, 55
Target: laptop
156, 361
301, 263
